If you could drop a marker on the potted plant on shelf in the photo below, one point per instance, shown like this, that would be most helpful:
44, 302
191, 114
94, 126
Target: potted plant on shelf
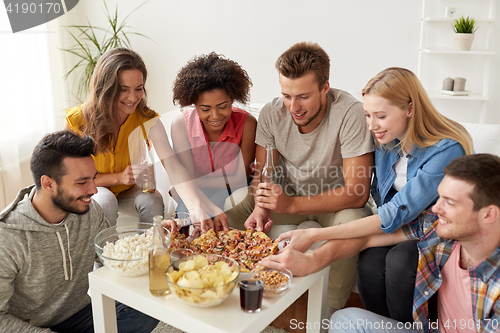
464, 28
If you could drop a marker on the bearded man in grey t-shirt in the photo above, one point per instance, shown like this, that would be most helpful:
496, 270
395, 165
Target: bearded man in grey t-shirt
325, 148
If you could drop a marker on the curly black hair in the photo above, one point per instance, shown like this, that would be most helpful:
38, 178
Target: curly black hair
208, 72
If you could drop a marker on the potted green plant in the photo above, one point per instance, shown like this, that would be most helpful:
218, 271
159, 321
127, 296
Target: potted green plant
93, 41
464, 28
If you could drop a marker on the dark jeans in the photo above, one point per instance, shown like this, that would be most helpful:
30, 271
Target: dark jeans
386, 279
128, 320
217, 196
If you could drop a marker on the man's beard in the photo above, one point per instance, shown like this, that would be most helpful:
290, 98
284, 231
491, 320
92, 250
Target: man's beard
64, 203
313, 117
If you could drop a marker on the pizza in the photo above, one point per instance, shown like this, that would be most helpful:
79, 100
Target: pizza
246, 247
178, 241
207, 243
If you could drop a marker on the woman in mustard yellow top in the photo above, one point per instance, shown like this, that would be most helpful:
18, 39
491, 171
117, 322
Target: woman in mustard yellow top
116, 116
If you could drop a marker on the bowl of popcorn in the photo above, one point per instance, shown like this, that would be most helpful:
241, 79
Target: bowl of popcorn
276, 281
124, 248
203, 280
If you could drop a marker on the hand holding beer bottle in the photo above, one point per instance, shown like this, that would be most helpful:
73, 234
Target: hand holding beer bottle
269, 174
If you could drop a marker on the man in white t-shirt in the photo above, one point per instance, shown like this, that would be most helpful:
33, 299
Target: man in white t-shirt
323, 142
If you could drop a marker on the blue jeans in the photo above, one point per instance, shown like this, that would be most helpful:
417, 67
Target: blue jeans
216, 195
128, 320
352, 320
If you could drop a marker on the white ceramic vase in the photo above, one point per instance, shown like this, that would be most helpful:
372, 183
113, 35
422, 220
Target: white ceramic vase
463, 42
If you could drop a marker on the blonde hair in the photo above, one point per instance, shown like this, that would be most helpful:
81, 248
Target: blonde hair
427, 126
99, 109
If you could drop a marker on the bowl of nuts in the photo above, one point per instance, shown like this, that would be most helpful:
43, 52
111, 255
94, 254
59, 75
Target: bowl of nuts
276, 281
124, 248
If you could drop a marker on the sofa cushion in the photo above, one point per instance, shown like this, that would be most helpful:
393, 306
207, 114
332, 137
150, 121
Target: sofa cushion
486, 137
12, 179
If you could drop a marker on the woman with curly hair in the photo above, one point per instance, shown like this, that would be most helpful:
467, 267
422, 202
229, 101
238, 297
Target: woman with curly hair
117, 117
214, 140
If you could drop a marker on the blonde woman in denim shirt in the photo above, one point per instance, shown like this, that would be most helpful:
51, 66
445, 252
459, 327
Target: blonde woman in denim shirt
414, 144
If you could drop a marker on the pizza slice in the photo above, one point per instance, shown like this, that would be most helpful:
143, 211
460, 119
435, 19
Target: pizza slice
260, 235
178, 241
230, 238
208, 243
262, 250
249, 233
258, 245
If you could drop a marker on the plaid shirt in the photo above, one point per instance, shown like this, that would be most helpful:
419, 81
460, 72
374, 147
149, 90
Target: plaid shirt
433, 254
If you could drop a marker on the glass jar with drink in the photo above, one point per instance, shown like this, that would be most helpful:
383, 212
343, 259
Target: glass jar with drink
146, 178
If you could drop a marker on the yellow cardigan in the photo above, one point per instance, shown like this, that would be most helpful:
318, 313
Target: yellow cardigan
117, 161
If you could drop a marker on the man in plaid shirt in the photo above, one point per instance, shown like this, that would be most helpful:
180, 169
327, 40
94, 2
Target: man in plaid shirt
462, 231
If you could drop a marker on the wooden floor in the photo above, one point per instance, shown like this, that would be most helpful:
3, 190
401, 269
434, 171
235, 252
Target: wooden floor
298, 311
354, 301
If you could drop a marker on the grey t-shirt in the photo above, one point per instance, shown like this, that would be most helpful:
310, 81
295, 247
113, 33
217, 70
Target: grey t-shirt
313, 161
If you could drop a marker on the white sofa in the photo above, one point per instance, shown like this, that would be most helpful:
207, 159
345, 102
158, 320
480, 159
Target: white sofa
486, 140
486, 137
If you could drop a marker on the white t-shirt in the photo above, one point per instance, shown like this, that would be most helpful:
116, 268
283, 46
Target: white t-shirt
400, 168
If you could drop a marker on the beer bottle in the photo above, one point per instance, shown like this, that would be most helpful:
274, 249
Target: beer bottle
159, 260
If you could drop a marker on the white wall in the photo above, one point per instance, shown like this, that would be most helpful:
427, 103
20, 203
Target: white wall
362, 38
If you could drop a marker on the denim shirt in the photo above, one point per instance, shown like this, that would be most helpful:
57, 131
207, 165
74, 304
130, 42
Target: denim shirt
424, 173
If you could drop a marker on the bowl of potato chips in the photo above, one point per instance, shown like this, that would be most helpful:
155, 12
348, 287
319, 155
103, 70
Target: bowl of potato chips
203, 280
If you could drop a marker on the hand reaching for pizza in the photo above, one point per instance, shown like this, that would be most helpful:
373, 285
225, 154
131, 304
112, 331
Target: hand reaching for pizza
201, 220
220, 218
295, 261
171, 226
260, 220
300, 240
220, 222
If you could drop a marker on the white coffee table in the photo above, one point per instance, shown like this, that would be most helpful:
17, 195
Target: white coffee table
106, 287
